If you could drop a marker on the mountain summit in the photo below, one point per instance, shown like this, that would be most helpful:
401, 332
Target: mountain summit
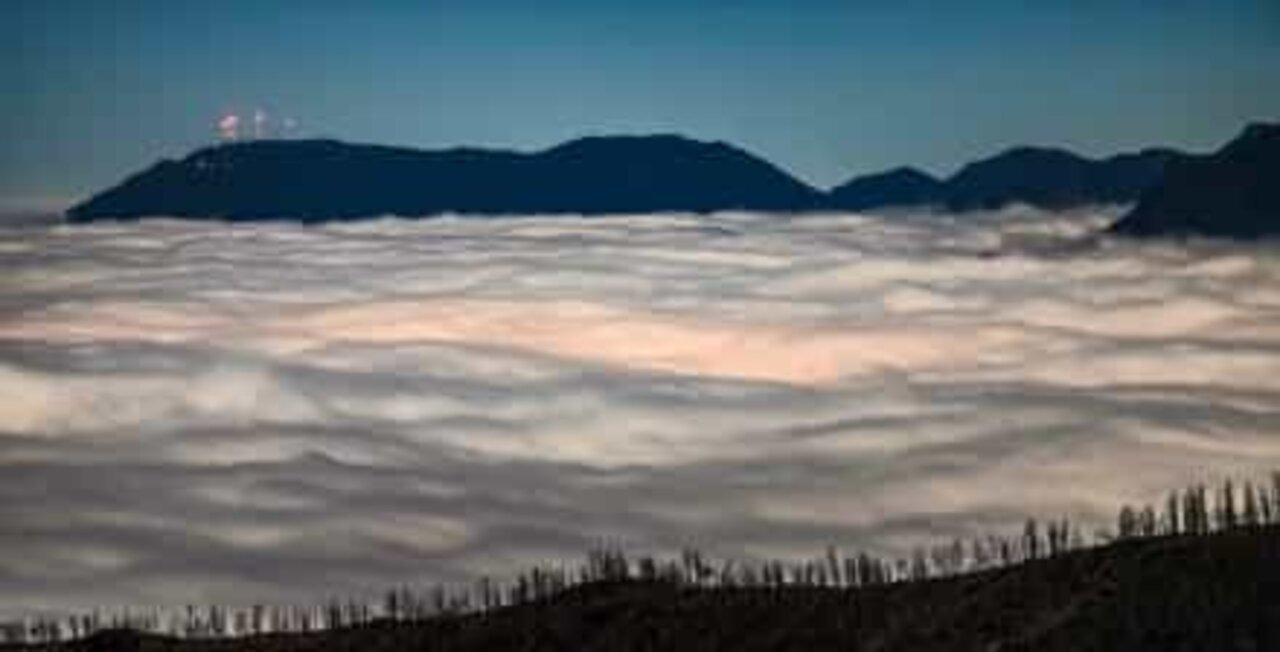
903, 186
316, 180
1232, 193
1054, 178
1045, 177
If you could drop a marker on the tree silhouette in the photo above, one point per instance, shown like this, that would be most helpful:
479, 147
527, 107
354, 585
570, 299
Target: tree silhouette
1186, 513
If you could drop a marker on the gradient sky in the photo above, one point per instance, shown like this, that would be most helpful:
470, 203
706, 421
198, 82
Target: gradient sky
95, 90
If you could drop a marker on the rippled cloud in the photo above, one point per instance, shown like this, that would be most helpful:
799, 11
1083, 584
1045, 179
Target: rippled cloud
277, 413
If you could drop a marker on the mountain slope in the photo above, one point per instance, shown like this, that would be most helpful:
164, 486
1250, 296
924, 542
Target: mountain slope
1189, 592
318, 180
897, 187
1053, 179
329, 180
1234, 192
1043, 177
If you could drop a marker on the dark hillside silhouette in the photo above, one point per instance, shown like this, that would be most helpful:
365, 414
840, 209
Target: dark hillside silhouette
1201, 571
1053, 178
329, 180
897, 187
320, 180
1048, 178
1232, 193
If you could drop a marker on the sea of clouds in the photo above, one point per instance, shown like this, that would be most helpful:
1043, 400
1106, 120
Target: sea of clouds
208, 413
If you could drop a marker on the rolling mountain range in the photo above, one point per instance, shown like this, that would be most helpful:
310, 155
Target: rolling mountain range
1037, 176
321, 180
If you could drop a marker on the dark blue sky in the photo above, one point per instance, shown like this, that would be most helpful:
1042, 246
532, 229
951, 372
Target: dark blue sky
96, 89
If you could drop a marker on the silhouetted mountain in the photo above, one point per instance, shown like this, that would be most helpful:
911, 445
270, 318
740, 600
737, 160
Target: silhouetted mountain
898, 187
328, 180
1234, 192
325, 180
1053, 178
1043, 177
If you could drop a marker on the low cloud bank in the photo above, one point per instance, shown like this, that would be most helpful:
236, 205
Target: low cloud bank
235, 414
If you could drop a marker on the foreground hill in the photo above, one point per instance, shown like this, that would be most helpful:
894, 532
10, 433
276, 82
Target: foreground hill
1165, 593
1233, 193
328, 180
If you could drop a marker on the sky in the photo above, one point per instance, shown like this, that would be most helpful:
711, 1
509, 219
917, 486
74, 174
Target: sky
96, 90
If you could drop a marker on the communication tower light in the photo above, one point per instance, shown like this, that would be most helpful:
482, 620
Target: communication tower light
229, 127
259, 124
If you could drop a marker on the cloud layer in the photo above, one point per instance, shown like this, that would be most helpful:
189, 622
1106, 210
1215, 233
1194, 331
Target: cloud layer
276, 413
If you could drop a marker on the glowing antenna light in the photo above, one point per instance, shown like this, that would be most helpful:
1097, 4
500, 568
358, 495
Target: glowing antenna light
229, 127
259, 123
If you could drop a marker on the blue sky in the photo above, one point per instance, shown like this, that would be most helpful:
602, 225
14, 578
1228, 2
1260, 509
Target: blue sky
96, 90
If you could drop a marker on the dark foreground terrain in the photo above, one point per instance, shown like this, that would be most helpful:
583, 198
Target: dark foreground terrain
1216, 591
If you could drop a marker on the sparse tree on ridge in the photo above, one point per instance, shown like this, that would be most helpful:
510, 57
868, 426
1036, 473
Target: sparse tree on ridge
1171, 513
1250, 516
1194, 511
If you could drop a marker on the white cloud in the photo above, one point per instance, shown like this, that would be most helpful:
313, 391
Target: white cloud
238, 413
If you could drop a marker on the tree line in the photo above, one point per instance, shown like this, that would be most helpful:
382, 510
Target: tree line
1194, 511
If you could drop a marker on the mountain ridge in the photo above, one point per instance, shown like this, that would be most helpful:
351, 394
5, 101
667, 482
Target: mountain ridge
1044, 177
318, 180
325, 179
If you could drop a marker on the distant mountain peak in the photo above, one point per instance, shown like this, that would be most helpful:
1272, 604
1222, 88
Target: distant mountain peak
314, 180
1257, 135
1054, 178
660, 143
1233, 192
901, 186
659, 138
1031, 152
1260, 130
1047, 177
908, 172
325, 179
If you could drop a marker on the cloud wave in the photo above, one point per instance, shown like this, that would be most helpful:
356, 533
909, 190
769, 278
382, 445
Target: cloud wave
234, 414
